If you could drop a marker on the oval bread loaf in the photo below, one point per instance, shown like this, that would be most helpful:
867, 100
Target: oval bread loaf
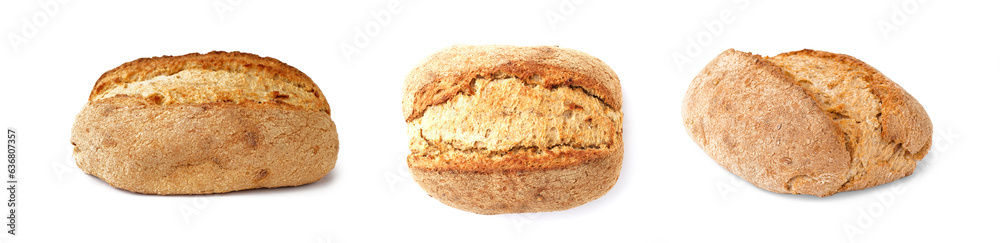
506, 129
805, 122
205, 123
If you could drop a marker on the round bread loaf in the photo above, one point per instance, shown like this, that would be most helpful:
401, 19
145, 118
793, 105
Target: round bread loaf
205, 123
506, 129
805, 122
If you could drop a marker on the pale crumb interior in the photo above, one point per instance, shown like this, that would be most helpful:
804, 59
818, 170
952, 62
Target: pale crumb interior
205, 86
842, 91
506, 114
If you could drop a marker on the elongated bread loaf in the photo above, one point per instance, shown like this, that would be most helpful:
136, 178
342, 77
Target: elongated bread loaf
205, 123
505, 129
805, 122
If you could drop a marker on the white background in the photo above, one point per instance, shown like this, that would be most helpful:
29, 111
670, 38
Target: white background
944, 53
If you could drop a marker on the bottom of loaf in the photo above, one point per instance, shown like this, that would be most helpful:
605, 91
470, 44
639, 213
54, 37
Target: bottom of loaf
503, 192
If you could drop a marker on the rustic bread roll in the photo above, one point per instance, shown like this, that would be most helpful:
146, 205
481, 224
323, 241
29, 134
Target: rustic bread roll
205, 123
805, 122
505, 129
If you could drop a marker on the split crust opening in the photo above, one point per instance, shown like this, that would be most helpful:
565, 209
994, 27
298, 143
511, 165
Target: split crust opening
506, 116
844, 92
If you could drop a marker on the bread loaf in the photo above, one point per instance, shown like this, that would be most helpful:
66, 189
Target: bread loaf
205, 123
506, 129
805, 122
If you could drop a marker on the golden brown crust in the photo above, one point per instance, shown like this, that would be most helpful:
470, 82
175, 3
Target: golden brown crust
503, 129
516, 191
202, 148
500, 118
266, 72
205, 123
751, 119
904, 120
846, 87
751, 115
452, 70
515, 160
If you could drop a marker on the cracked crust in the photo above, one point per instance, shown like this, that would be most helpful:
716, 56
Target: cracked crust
450, 71
507, 115
805, 122
234, 77
533, 136
165, 126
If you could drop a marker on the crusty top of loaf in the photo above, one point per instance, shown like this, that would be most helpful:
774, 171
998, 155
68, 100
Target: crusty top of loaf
508, 124
888, 130
903, 119
808, 121
452, 70
752, 119
209, 78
